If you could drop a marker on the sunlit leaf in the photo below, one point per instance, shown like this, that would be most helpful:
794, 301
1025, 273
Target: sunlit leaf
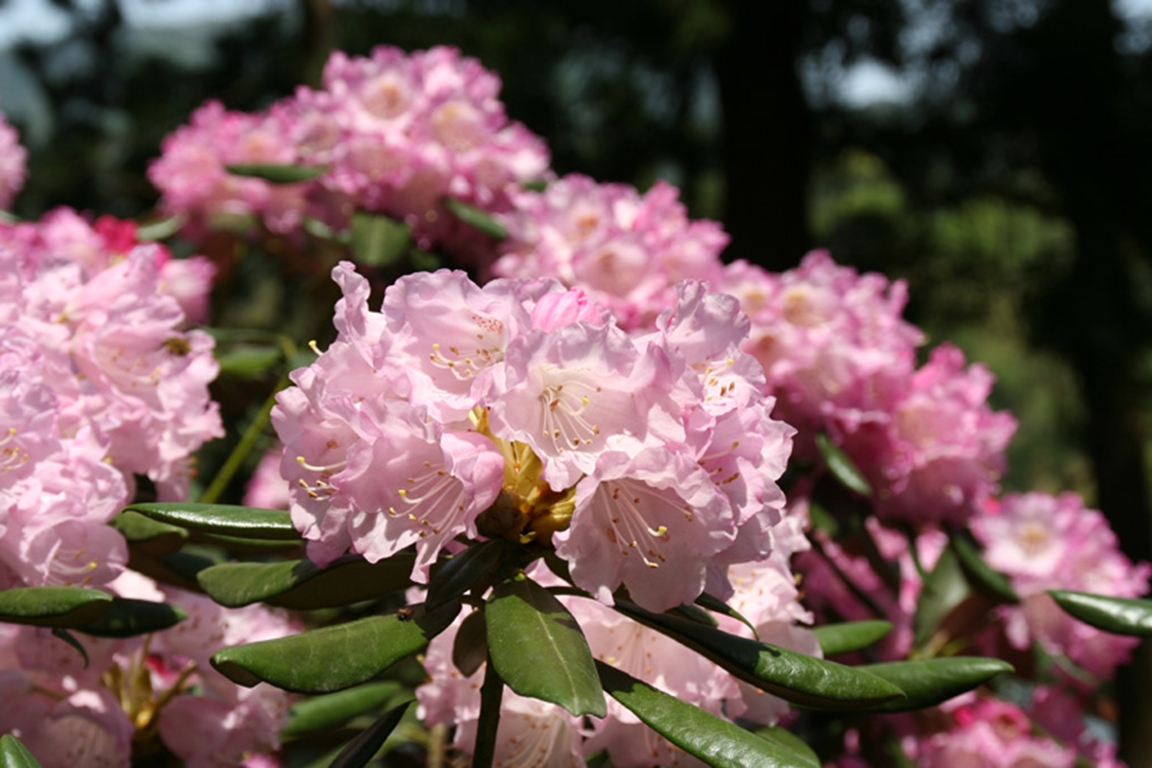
792, 744
222, 519
128, 617
13, 754
333, 658
365, 746
66, 607
717, 742
793, 676
277, 174
248, 361
476, 218
850, 636
151, 536
539, 650
302, 585
334, 709
929, 682
842, 467
1120, 615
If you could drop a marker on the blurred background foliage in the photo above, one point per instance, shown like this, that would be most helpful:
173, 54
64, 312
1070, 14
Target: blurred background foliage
995, 154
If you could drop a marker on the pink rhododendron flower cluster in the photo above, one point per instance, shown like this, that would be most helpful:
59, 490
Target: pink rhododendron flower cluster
627, 250
520, 410
833, 342
536, 733
1044, 542
397, 133
106, 318
13, 163
134, 692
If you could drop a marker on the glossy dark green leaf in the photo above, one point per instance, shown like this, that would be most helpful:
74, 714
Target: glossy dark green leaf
334, 709
929, 682
13, 754
222, 519
476, 218
539, 650
717, 742
301, 585
850, 636
127, 618
278, 174
333, 658
842, 467
151, 536
470, 649
716, 605
981, 575
466, 569
248, 361
1122, 616
365, 746
793, 676
178, 568
66, 607
792, 744
944, 589
379, 240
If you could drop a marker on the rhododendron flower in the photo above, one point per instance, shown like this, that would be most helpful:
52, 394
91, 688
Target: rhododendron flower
13, 163
395, 133
626, 249
520, 410
833, 343
1044, 542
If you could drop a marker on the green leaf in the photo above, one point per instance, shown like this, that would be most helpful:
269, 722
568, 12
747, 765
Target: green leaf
929, 682
365, 746
333, 658
793, 676
850, 636
222, 519
460, 573
791, 743
717, 742
278, 174
249, 361
1120, 615
716, 605
150, 536
127, 618
301, 585
470, 649
160, 229
14, 754
178, 568
539, 650
842, 467
476, 218
66, 607
379, 240
944, 589
981, 575
334, 709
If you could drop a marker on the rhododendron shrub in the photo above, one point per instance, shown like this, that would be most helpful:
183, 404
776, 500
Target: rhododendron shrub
617, 502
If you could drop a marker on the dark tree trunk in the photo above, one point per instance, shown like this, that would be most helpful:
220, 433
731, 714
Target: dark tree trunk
767, 133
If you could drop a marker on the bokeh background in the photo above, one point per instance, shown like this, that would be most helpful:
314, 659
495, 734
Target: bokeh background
996, 154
